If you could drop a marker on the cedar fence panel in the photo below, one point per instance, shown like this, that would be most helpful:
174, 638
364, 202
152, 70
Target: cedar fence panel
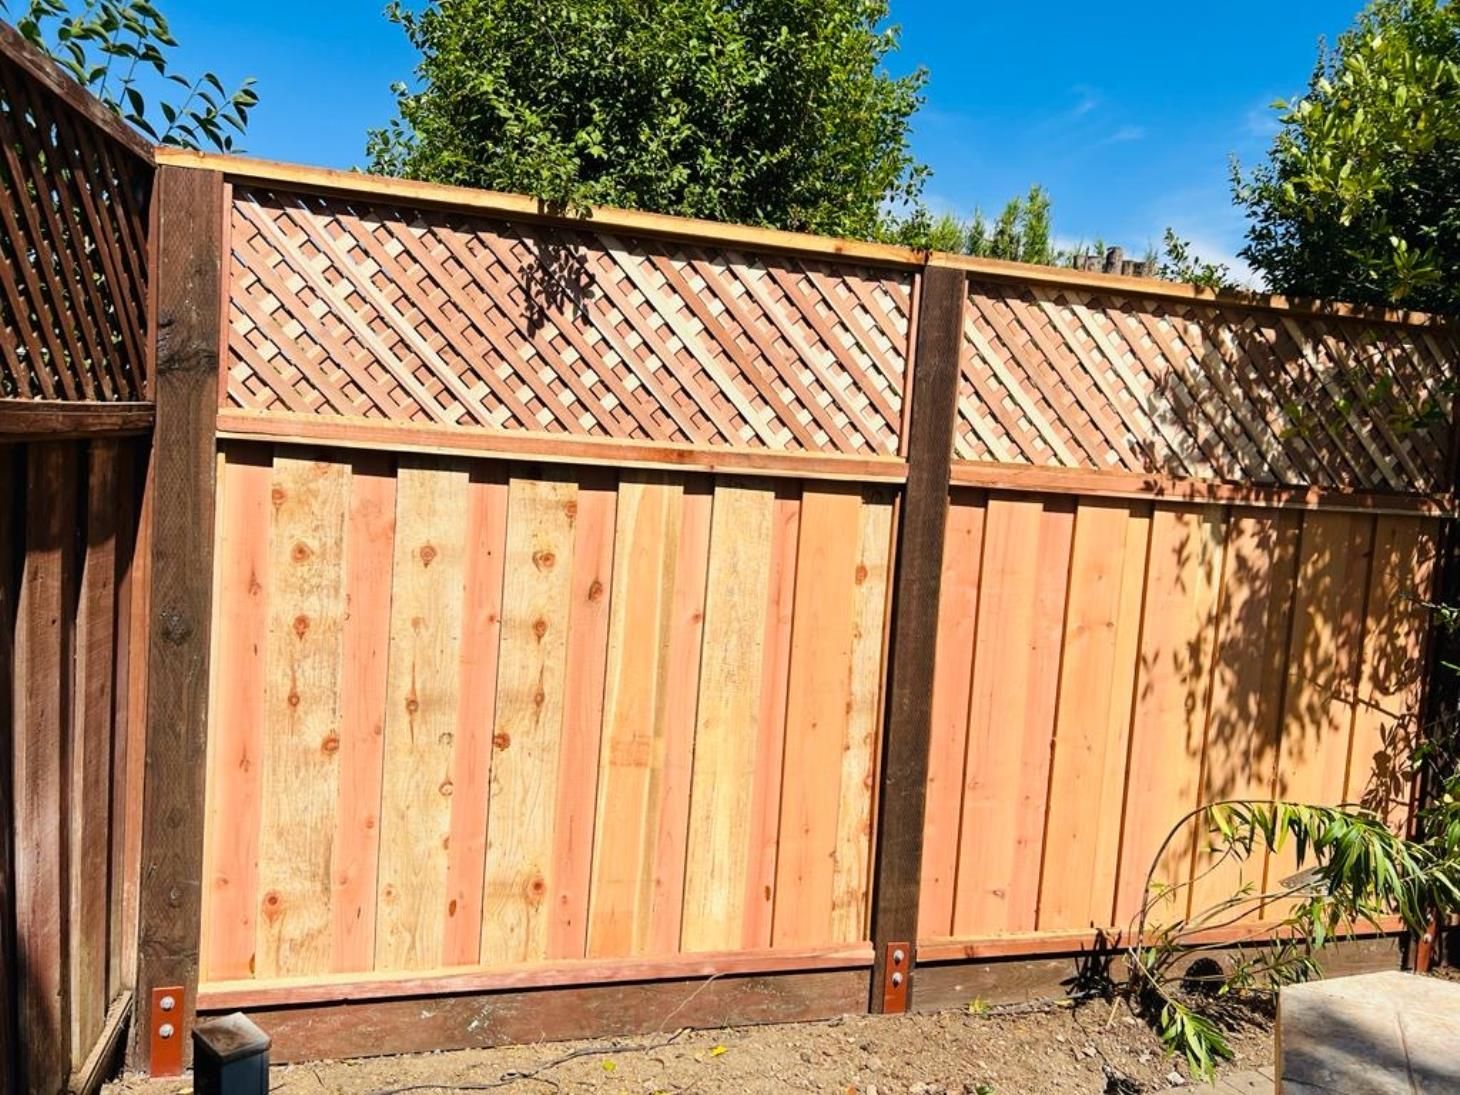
529, 715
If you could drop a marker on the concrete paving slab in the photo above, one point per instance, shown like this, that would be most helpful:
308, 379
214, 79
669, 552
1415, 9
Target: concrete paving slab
1378, 1034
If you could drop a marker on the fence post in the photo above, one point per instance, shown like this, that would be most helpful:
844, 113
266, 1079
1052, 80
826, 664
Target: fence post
187, 265
897, 866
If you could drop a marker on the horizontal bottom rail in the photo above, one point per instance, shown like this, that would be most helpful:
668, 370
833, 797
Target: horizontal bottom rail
463, 1019
226, 995
1136, 486
1026, 944
290, 427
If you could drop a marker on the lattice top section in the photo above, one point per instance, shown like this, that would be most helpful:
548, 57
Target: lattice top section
340, 307
1077, 379
73, 280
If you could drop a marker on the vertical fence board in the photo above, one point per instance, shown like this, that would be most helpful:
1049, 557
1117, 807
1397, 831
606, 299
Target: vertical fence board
817, 715
369, 562
1011, 713
536, 608
239, 713
301, 745
126, 654
1173, 690
952, 688
89, 787
716, 886
12, 554
587, 658
638, 738
423, 698
471, 762
1258, 578
763, 835
1087, 781
41, 726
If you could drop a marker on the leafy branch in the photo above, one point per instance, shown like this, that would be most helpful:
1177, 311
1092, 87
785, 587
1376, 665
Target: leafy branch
116, 48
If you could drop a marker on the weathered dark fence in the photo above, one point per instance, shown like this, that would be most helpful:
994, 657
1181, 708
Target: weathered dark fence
74, 196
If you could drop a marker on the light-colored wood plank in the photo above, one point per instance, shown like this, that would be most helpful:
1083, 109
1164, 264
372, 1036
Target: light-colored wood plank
817, 715
770, 745
952, 685
1011, 713
727, 764
587, 661
471, 757
640, 736
300, 786
423, 697
1391, 676
369, 564
852, 866
239, 714
536, 609
681, 702
1323, 665
1097, 671
1173, 690
1258, 578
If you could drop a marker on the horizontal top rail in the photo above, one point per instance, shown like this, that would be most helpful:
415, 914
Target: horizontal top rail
39, 67
462, 198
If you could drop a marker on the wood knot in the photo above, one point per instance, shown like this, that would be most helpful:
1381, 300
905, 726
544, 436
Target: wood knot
451, 907
571, 508
446, 739
412, 704
501, 739
271, 905
330, 745
176, 628
537, 889
293, 698
428, 555
300, 553
539, 627
544, 560
446, 788
539, 698
278, 496
370, 822
595, 590
301, 625
861, 573
388, 892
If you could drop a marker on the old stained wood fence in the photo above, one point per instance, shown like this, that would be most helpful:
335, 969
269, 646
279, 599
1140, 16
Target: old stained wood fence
604, 604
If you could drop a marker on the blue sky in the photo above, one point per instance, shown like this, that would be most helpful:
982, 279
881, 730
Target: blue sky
1127, 113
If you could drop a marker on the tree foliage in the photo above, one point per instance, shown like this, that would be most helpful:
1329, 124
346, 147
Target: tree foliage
112, 47
1360, 198
769, 112
1020, 233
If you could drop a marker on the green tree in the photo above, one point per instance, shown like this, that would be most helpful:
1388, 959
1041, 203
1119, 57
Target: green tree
1020, 233
1360, 197
119, 50
770, 112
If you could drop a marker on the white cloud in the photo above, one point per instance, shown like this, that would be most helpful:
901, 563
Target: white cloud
1123, 135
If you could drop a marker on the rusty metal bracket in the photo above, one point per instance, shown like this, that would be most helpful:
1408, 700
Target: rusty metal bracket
164, 1031
896, 972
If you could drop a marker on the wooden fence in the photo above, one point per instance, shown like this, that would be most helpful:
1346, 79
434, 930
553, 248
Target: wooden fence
557, 624
74, 194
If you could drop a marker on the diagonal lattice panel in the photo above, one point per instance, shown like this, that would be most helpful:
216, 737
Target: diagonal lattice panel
73, 203
366, 310
1065, 377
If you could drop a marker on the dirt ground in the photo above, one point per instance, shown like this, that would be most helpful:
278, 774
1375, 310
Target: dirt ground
1000, 1051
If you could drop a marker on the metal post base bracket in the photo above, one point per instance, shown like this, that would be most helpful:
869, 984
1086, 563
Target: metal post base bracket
164, 1031
896, 973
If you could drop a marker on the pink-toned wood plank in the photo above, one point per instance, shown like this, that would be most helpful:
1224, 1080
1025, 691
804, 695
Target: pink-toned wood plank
587, 660
1011, 713
235, 746
765, 796
817, 715
952, 685
369, 562
471, 757
1173, 690
1097, 672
